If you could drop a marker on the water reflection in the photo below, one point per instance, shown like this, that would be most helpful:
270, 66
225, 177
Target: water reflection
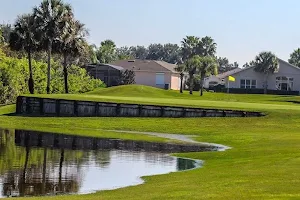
35, 164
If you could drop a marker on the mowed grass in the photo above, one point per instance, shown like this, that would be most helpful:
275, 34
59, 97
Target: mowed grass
150, 95
262, 164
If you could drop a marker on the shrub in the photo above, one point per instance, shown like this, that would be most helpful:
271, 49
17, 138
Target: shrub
14, 76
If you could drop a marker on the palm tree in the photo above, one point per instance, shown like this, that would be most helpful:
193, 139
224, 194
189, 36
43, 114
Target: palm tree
189, 47
207, 65
71, 43
180, 68
50, 19
266, 63
206, 47
106, 52
295, 58
23, 37
2, 40
190, 66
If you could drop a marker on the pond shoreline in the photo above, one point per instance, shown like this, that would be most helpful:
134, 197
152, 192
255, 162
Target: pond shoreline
61, 142
55, 140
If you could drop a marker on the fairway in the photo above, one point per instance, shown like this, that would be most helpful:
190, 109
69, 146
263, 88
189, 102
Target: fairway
262, 164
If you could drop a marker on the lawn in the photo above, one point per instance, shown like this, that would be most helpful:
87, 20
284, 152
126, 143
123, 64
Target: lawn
262, 164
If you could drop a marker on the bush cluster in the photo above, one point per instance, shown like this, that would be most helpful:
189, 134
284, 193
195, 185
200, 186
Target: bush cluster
14, 74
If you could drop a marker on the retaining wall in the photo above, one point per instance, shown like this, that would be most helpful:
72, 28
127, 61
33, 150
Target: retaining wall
60, 141
68, 108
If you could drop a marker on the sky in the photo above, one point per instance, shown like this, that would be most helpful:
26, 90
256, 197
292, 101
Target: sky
241, 28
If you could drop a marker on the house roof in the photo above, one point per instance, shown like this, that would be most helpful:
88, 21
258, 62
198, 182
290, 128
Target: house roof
229, 73
107, 65
169, 66
146, 65
288, 63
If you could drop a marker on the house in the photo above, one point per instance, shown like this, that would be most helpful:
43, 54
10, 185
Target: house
152, 73
147, 72
287, 78
219, 79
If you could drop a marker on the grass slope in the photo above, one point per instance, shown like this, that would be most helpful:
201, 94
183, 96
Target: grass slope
263, 163
150, 95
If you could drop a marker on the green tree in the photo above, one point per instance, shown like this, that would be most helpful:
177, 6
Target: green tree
127, 77
171, 53
71, 44
266, 63
206, 47
206, 66
224, 65
50, 18
6, 29
106, 52
2, 40
192, 49
14, 75
295, 58
189, 46
92, 55
123, 53
23, 37
235, 65
139, 52
155, 52
190, 67
189, 50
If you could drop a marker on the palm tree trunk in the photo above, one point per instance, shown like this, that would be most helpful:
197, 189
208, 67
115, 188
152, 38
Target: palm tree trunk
66, 73
201, 85
49, 67
44, 172
30, 81
23, 180
191, 83
62, 157
181, 82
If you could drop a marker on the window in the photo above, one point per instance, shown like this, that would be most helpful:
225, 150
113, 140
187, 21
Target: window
248, 84
284, 83
253, 84
243, 82
160, 78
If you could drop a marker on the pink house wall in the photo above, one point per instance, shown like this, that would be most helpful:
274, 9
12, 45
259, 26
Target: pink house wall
175, 82
149, 78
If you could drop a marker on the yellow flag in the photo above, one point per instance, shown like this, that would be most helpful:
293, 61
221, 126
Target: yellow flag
231, 78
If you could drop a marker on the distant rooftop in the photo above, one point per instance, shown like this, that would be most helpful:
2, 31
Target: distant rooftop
145, 65
229, 73
108, 65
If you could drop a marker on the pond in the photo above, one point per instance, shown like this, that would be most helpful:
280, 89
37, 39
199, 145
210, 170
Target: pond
36, 164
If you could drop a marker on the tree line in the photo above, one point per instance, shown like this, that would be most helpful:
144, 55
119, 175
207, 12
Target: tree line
51, 32
14, 77
54, 43
50, 28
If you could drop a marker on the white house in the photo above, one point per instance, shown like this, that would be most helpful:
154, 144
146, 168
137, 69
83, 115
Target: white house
287, 78
219, 79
